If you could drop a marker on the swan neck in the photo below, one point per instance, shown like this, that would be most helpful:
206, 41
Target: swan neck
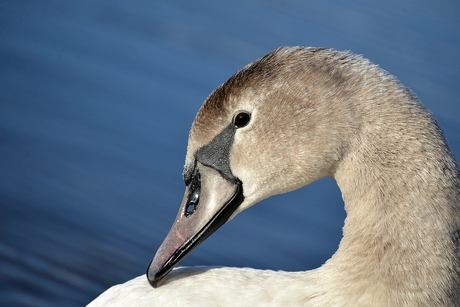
401, 233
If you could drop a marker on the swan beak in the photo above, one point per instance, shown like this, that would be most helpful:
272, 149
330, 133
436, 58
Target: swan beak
208, 203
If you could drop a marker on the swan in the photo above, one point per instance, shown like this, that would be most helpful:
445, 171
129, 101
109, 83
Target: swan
294, 116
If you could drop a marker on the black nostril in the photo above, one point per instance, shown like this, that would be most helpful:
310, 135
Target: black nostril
194, 195
193, 200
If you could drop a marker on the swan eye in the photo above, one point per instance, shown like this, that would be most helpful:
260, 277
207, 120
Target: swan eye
241, 119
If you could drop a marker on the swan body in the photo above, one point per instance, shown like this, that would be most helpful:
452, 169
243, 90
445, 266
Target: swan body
224, 287
290, 118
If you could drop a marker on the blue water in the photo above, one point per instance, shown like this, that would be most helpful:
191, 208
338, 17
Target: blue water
96, 100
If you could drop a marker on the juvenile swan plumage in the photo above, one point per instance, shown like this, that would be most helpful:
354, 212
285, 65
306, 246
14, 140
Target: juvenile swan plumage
292, 117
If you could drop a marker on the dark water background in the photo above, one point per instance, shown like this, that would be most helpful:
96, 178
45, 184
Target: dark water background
96, 100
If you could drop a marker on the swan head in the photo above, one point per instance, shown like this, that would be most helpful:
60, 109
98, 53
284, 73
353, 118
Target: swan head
271, 128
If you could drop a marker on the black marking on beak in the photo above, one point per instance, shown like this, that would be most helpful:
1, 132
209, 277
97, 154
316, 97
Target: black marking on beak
216, 154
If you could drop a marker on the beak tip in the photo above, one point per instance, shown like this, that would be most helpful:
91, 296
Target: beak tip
155, 274
153, 278
153, 282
